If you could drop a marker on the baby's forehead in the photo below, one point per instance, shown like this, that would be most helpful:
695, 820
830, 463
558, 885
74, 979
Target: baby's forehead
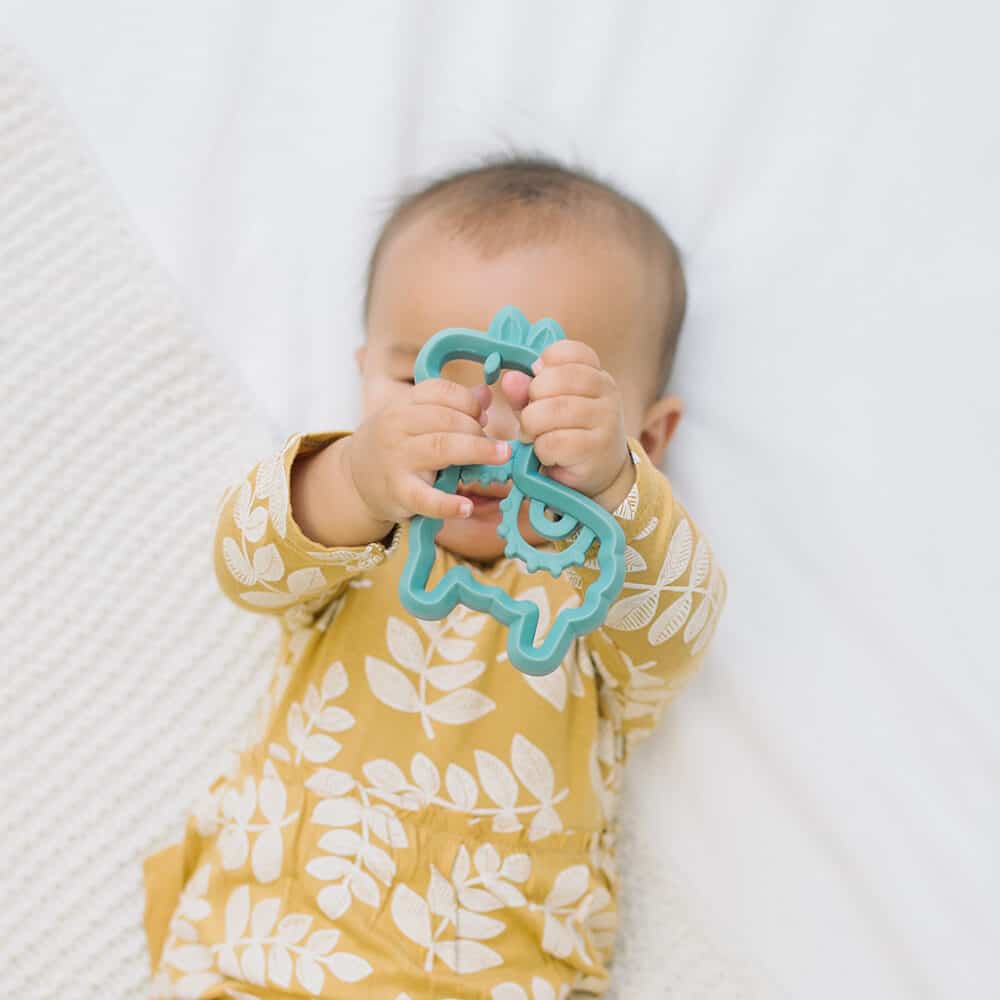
591, 280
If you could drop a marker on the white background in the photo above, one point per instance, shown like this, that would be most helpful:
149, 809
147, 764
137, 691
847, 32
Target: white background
829, 783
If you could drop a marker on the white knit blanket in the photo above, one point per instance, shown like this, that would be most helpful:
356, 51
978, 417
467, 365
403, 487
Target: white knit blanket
126, 674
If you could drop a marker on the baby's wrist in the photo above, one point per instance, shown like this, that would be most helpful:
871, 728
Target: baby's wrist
612, 495
381, 526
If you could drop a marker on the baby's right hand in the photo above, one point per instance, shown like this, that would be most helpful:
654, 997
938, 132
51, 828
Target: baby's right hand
395, 455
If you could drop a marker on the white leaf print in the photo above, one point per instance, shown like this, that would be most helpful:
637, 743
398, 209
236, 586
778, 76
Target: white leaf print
337, 812
508, 991
479, 900
462, 866
544, 822
699, 566
451, 676
379, 862
267, 599
570, 884
516, 867
340, 841
405, 644
348, 968
496, 779
460, 706
192, 987
310, 974
461, 786
294, 927
538, 596
467, 956
267, 563
267, 855
321, 943
278, 752
228, 962
551, 686
633, 612
279, 965
474, 925
334, 681
296, 725
697, 621
384, 824
191, 958
384, 775
265, 914
364, 888
329, 783
412, 915
391, 686
556, 939
507, 894
334, 900
335, 720
233, 847
328, 867
678, 554
312, 701
425, 774
455, 649
634, 563
237, 563
487, 859
272, 794
533, 768
648, 529
319, 748
670, 620
237, 912
441, 896
305, 581
469, 626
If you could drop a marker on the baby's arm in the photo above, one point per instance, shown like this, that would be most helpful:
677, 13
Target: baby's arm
327, 507
657, 629
659, 626
290, 535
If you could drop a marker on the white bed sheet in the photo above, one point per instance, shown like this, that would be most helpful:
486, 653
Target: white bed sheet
829, 783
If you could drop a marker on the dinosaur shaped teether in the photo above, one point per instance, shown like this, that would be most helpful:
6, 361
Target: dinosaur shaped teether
512, 343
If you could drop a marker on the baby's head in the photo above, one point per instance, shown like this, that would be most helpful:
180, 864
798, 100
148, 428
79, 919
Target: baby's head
552, 241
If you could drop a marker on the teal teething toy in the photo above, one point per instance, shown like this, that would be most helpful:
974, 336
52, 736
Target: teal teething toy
510, 343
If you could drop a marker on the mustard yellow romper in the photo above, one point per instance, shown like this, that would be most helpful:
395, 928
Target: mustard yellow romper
416, 817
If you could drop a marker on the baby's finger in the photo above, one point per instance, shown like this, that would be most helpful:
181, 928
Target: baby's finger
425, 418
440, 449
565, 446
564, 352
422, 498
515, 388
571, 380
554, 412
444, 392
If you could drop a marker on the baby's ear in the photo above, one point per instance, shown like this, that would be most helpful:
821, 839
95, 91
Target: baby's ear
658, 426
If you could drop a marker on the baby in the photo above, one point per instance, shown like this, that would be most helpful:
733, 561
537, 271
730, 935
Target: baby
414, 817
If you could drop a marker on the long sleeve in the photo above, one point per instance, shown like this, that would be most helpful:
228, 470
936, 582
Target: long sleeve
263, 561
657, 630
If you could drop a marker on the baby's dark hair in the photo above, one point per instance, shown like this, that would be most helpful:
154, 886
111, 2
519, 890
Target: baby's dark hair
515, 198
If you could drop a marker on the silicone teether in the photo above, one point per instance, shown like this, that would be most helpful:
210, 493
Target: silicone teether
511, 343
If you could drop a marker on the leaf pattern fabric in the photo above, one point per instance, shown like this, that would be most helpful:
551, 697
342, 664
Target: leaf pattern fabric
411, 816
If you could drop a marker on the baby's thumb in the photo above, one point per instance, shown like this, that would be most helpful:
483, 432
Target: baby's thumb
515, 388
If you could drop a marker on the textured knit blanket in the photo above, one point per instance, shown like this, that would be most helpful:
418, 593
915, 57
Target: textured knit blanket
126, 673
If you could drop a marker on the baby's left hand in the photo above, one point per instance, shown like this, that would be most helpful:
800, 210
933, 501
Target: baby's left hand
572, 412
